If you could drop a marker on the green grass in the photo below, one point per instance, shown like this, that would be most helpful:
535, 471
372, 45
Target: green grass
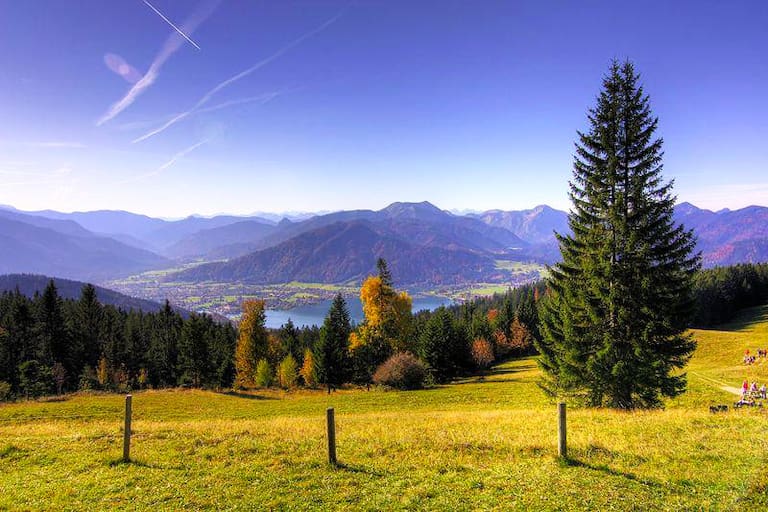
487, 289
315, 286
519, 266
477, 444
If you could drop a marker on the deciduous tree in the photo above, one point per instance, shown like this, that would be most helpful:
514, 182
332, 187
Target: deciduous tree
251, 344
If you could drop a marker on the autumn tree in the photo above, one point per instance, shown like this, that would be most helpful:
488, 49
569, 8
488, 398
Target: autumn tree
520, 338
614, 326
388, 327
286, 373
482, 353
263, 376
308, 372
251, 344
102, 372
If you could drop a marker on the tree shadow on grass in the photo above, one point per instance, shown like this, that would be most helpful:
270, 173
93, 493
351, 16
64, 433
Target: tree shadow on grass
141, 464
351, 468
604, 468
492, 375
743, 321
248, 396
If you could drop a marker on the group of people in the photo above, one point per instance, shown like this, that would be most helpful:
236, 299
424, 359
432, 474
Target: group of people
751, 358
752, 391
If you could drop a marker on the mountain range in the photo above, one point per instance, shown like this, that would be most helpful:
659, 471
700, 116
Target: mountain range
422, 243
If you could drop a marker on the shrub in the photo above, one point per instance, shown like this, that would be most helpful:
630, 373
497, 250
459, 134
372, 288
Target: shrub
286, 373
88, 379
263, 374
143, 378
5, 391
482, 353
401, 371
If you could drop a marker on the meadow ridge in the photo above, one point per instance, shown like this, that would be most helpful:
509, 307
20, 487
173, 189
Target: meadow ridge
476, 444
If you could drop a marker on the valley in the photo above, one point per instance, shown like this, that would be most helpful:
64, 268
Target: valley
225, 298
213, 264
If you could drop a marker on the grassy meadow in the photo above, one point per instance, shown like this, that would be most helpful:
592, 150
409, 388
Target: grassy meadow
477, 444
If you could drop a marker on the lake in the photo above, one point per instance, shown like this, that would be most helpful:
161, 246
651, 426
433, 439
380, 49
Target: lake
314, 314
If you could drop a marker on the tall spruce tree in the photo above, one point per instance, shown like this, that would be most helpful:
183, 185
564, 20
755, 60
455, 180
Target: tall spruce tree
332, 350
614, 325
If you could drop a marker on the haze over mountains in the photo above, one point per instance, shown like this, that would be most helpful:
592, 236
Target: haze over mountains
422, 243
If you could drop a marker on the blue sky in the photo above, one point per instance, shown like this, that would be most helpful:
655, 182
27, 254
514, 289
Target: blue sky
324, 105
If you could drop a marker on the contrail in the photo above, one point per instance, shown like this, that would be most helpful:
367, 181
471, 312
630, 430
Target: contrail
202, 101
261, 98
177, 29
171, 45
184, 152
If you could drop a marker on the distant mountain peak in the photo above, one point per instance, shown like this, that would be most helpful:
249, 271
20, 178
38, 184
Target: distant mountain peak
413, 210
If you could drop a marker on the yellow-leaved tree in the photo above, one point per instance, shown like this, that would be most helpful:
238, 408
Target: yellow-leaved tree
388, 325
308, 372
251, 344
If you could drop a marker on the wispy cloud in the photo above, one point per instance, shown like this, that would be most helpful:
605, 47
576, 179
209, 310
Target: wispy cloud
229, 81
175, 158
45, 144
259, 98
59, 176
172, 44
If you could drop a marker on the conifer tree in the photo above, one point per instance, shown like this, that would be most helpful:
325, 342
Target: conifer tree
443, 346
194, 355
614, 325
86, 324
331, 352
53, 341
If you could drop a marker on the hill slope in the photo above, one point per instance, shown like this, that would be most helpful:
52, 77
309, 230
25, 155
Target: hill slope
346, 251
29, 284
728, 237
476, 444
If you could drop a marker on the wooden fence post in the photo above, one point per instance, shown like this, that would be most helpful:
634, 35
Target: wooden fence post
331, 423
562, 446
127, 430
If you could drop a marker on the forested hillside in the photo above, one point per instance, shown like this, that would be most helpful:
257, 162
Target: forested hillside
48, 343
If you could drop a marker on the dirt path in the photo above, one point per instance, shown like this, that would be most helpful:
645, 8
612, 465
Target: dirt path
722, 385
